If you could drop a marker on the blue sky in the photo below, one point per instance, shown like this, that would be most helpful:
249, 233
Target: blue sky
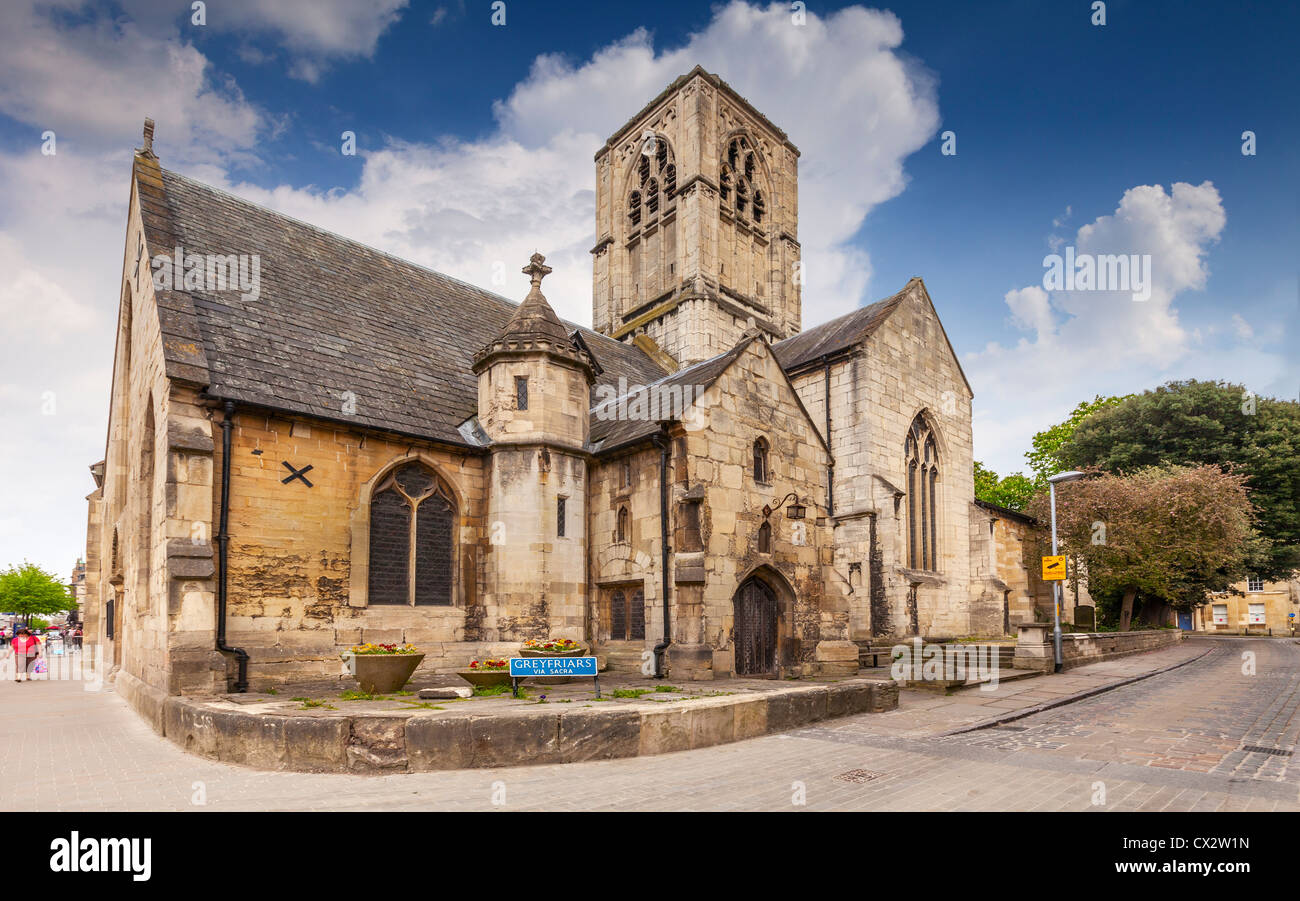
475, 148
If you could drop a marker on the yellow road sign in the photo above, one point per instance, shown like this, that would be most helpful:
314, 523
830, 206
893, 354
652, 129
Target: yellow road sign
1053, 568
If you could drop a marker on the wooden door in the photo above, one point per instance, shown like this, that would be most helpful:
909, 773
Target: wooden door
756, 629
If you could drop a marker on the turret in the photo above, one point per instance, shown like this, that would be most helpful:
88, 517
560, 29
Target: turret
534, 398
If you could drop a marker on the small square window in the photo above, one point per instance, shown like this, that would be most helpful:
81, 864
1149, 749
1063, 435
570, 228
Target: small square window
1254, 583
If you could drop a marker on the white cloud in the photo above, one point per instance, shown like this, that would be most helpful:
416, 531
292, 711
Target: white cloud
313, 34
94, 82
1085, 342
1241, 327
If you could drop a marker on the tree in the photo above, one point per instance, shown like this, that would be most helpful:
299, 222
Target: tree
29, 590
1012, 492
1191, 423
1045, 459
1171, 535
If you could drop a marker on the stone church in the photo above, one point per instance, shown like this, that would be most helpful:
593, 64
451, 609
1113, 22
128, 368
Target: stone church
348, 447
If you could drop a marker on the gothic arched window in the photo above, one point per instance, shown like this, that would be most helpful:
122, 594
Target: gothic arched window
765, 538
655, 182
762, 471
621, 524
922, 456
739, 175
412, 538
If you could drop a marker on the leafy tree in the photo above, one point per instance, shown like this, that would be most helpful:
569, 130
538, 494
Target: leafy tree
1190, 423
1045, 459
1013, 491
1171, 535
29, 590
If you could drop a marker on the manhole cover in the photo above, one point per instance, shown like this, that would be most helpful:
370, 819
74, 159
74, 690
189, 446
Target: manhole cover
858, 776
1276, 752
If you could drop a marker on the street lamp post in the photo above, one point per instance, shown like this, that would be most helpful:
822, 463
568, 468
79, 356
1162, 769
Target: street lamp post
1061, 477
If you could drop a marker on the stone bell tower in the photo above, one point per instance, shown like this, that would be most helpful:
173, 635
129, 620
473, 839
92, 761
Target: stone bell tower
534, 394
697, 214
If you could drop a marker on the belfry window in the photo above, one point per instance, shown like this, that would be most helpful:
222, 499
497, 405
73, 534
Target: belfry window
654, 183
412, 528
922, 461
738, 178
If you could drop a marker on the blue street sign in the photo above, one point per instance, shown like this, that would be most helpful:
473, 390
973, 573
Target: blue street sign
523, 667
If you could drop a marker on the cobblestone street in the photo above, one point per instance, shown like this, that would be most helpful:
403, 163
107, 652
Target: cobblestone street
1179, 740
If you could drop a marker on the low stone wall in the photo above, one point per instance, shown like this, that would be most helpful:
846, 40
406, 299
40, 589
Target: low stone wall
423, 742
1035, 650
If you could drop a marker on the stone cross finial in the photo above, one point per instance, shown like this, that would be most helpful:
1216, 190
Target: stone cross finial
537, 269
148, 136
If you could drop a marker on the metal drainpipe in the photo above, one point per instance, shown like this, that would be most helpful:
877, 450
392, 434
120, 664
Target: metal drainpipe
830, 466
223, 548
664, 443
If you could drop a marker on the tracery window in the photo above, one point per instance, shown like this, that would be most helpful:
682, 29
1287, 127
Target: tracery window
922, 455
738, 180
655, 182
412, 528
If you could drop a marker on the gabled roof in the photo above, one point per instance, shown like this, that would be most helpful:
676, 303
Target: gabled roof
333, 316
848, 331
836, 336
610, 430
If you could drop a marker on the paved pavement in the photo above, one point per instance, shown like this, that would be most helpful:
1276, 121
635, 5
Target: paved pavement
1171, 742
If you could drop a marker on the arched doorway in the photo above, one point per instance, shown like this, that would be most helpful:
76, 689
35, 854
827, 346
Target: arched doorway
756, 629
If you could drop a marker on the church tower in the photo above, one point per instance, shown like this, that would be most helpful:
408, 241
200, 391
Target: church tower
697, 213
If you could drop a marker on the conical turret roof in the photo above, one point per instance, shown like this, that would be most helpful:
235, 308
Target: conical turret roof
535, 318
534, 326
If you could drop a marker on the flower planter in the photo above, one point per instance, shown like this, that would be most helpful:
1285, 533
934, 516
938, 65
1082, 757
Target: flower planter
485, 678
579, 651
382, 673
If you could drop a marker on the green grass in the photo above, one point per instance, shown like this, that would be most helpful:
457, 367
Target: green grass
496, 691
308, 703
664, 689
424, 705
353, 695
629, 692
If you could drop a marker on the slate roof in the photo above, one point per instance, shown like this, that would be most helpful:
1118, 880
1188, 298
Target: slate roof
831, 338
609, 432
333, 316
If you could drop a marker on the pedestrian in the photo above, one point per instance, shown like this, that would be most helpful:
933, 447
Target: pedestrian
27, 648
